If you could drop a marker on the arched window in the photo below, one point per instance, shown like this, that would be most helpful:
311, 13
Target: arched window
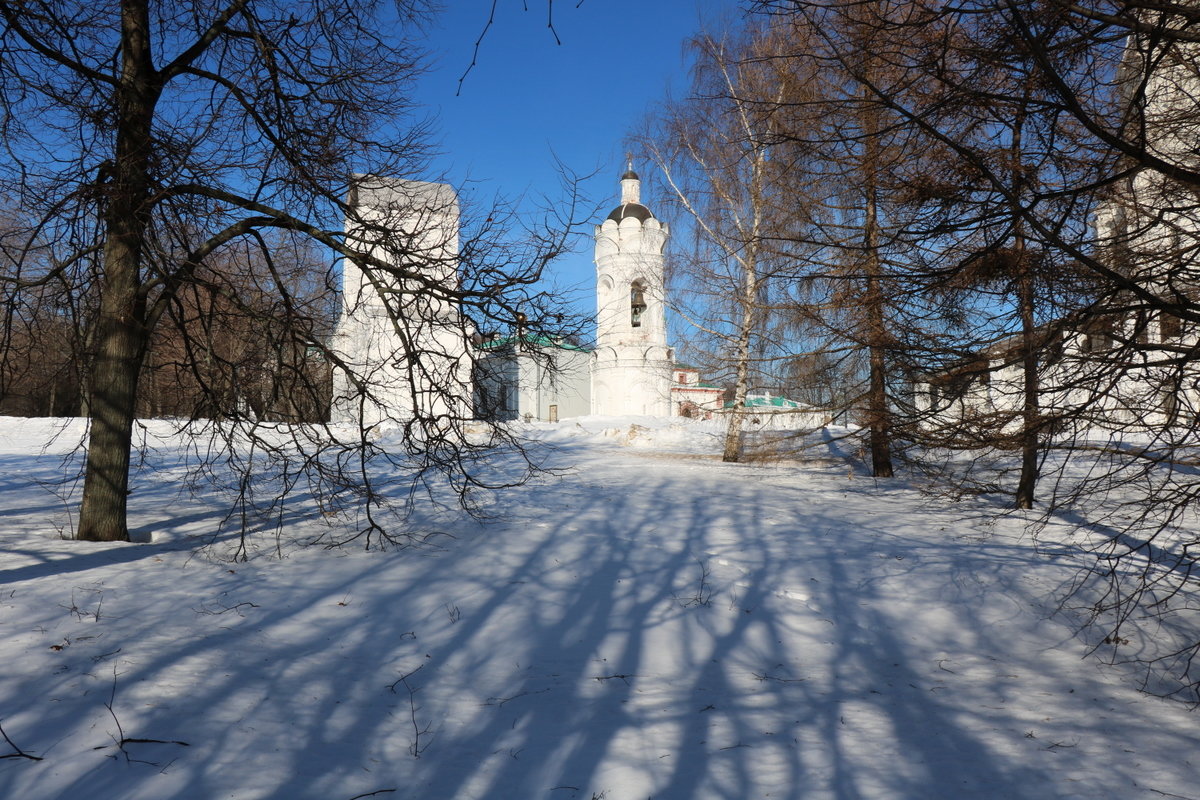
637, 303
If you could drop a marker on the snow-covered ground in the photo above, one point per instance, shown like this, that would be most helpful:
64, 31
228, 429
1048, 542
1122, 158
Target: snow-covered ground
652, 623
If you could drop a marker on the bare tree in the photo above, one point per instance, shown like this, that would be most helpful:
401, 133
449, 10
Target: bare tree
712, 150
1018, 288
798, 187
1116, 85
859, 282
162, 154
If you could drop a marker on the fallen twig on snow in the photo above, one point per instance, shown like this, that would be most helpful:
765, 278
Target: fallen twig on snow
17, 752
121, 739
416, 748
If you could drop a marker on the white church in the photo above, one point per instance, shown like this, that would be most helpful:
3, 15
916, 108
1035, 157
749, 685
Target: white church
631, 371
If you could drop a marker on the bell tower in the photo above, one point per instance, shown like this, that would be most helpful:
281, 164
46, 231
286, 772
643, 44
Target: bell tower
631, 370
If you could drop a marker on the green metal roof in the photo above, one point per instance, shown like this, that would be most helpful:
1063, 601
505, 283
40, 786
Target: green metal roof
539, 340
758, 401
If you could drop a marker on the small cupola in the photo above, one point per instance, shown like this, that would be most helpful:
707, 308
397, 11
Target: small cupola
631, 198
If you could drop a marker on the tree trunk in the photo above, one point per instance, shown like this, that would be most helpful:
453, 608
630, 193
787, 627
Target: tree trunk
121, 334
1030, 406
733, 434
1030, 411
881, 439
876, 327
120, 344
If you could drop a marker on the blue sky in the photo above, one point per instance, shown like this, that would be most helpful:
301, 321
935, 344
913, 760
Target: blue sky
529, 99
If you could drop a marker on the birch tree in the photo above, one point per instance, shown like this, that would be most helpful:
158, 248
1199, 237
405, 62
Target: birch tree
712, 150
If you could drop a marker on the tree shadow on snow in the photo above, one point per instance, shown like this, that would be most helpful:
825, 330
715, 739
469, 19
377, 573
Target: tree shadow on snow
693, 630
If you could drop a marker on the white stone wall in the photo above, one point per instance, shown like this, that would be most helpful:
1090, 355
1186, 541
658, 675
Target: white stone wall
537, 382
399, 331
555, 377
1149, 223
1081, 383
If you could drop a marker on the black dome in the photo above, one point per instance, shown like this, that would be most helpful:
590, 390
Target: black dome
630, 175
626, 210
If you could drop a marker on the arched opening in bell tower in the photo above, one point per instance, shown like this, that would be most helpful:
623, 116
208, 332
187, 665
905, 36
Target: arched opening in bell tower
637, 303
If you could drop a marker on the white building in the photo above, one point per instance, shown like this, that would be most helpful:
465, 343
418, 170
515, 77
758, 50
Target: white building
1083, 374
1130, 368
401, 335
632, 364
692, 397
631, 371
533, 379
400, 332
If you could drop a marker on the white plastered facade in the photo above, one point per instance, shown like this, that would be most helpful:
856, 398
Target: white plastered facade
632, 364
399, 330
1148, 229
